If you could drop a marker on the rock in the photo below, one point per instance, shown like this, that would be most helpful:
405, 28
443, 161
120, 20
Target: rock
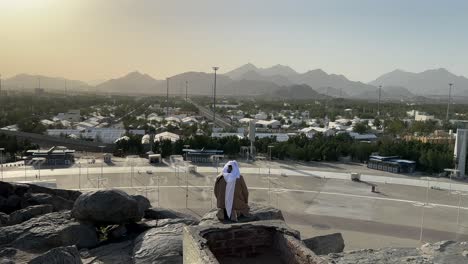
257, 213
143, 203
13, 203
117, 232
142, 226
48, 231
6, 189
57, 202
115, 253
431, 253
324, 245
21, 189
159, 245
106, 207
65, 194
60, 255
8, 252
4, 218
163, 213
29, 212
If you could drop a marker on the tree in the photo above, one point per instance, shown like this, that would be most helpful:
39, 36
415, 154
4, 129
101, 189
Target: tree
361, 128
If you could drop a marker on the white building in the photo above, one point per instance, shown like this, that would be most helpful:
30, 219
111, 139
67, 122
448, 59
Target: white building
421, 116
71, 116
311, 131
261, 115
268, 124
221, 135
166, 135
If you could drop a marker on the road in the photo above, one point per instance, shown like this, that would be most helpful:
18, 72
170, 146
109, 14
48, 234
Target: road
209, 115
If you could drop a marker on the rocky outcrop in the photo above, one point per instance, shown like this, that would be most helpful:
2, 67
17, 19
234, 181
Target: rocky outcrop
57, 202
159, 245
257, 213
324, 245
440, 252
113, 253
19, 202
60, 255
27, 213
106, 207
164, 213
143, 203
48, 231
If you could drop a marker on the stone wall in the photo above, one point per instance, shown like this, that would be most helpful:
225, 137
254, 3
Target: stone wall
246, 242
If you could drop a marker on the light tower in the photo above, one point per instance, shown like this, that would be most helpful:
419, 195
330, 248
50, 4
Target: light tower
378, 105
167, 97
214, 95
449, 101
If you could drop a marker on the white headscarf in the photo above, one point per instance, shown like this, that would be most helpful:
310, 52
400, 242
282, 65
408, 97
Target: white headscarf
230, 179
234, 174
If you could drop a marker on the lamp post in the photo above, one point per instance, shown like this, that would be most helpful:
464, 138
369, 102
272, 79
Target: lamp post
214, 95
102, 165
1, 160
79, 176
449, 99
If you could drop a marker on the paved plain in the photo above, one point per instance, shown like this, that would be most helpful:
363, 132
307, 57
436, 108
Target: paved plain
315, 202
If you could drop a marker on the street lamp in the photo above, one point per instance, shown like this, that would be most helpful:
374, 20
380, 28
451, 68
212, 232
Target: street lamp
102, 164
214, 95
1, 160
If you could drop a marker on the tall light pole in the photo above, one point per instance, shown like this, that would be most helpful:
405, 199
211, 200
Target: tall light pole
378, 105
1, 160
449, 101
214, 95
102, 165
167, 97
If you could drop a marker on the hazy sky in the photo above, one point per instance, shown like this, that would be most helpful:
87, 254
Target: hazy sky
101, 39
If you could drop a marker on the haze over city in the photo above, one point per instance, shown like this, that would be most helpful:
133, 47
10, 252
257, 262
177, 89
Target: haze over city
97, 40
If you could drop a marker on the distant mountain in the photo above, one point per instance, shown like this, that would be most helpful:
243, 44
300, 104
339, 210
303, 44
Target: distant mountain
332, 92
277, 79
396, 92
238, 72
285, 76
199, 83
131, 83
297, 92
429, 82
27, 81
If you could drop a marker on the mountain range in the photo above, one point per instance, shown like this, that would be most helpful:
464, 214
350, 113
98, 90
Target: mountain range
277, 81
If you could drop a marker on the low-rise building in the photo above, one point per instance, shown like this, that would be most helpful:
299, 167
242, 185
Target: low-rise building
391, 164
56, 155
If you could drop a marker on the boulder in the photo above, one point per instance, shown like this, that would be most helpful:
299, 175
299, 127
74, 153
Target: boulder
13, 203
106, 207
115, 253
117, 232
27, 213
65, 194
48, 231
324, 245
257, 213
143, 203
431, 253
164, 213
4, 218
60, 255
57, 202
159, 245
6, 189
